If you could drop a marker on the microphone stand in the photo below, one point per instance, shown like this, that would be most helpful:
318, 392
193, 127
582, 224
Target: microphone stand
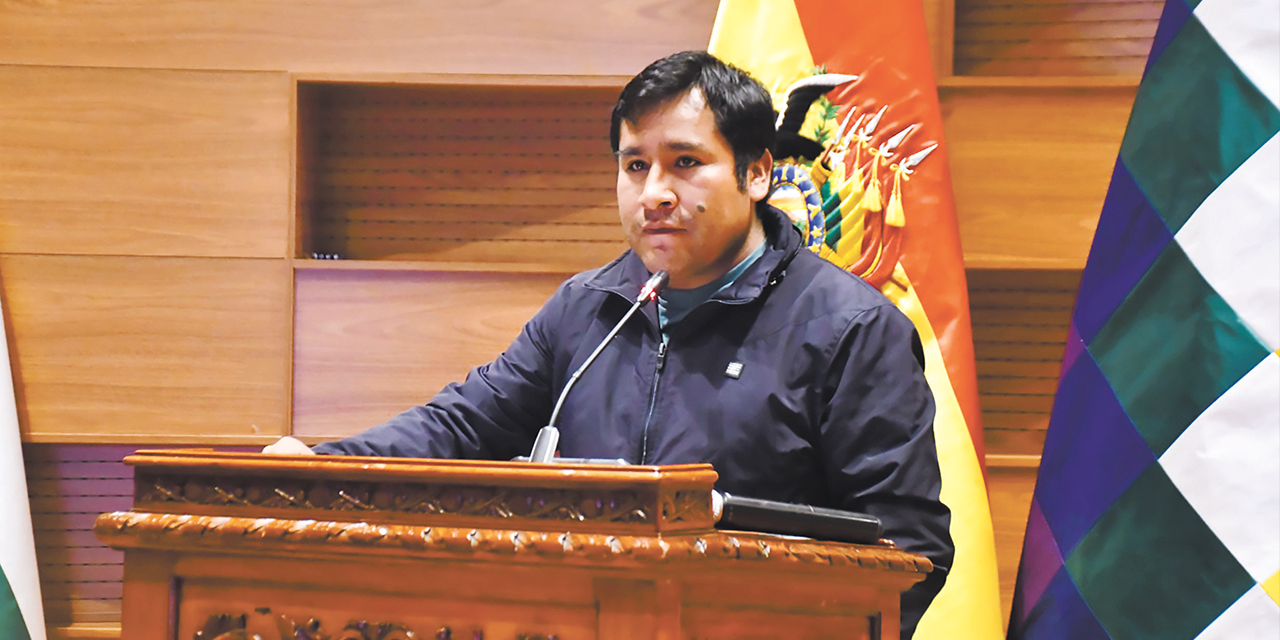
544, 445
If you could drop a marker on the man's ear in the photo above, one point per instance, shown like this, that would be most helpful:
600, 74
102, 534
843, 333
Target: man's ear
759, 177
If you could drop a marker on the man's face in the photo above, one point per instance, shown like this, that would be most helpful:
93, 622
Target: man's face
678, 196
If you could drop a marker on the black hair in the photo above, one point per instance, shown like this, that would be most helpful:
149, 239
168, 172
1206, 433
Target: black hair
742, 106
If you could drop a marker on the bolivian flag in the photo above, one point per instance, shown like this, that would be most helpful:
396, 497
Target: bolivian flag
889, 217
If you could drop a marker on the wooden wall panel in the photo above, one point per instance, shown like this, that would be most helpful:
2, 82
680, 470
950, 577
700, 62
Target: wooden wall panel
133, 162
1030, 168
1054, 37
370, 344
940, 22
504, 36
168, 347
1020, 324
69, 485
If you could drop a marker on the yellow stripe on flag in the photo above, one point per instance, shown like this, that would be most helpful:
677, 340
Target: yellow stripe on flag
765, 38
971, 598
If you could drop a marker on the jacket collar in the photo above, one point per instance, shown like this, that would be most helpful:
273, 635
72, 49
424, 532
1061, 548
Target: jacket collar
625, 275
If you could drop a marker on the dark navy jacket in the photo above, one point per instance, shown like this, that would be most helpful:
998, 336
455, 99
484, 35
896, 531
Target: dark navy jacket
830, 407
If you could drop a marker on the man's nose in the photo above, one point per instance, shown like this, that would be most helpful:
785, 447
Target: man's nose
657, 198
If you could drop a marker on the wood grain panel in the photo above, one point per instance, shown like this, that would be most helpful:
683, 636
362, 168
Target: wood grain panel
85, 631
462, 173
940, 23
142, 162
370, 344
1020, 324
564, 255
148, 346
500, 36
1030, 168
69, 485
1054, 37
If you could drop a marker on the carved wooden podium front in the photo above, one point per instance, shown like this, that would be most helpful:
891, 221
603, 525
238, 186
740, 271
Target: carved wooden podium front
227, 546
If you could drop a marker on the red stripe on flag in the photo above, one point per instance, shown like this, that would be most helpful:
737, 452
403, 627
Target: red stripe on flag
893, 58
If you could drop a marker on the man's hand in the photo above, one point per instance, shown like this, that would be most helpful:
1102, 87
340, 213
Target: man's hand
288, 446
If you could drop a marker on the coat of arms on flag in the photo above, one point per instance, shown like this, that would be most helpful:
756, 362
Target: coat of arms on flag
831, 178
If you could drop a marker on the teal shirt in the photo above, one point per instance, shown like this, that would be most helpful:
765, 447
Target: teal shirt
675, 304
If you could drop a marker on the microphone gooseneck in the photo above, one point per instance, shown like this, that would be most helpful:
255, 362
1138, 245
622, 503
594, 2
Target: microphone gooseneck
544, 446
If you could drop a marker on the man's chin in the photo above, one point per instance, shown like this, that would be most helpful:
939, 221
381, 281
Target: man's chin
655, 261
677, 273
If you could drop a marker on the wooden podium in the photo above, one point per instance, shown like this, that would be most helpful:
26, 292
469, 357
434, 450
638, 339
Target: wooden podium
233, 546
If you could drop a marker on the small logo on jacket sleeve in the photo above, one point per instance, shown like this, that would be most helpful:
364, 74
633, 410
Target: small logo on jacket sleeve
734, 370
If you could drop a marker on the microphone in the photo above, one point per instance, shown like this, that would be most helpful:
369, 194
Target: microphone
544, 445
768, 516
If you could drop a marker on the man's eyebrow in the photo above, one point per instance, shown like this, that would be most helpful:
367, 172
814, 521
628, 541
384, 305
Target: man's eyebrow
686, 146
673, 146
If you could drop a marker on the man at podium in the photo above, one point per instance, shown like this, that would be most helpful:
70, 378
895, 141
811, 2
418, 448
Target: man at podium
796, 380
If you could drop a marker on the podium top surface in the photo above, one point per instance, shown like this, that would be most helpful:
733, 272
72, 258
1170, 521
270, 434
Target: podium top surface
601, 498
426, 469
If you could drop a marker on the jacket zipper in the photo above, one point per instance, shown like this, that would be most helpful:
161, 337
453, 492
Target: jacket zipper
653, 400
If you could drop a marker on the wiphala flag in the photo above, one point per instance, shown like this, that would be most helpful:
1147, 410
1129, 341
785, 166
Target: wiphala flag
1156, 512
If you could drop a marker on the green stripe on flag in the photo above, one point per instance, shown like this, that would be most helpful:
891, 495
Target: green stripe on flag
1151, 568
1195, 110
1172, 347
12, 626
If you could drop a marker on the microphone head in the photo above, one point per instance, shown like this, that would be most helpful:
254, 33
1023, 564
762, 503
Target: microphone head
653, 286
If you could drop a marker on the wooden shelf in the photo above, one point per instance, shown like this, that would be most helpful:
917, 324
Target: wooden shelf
152, 440
1010, 461
980, 262
85, 631
465, 79
302, 264
1036, 82
452, 169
